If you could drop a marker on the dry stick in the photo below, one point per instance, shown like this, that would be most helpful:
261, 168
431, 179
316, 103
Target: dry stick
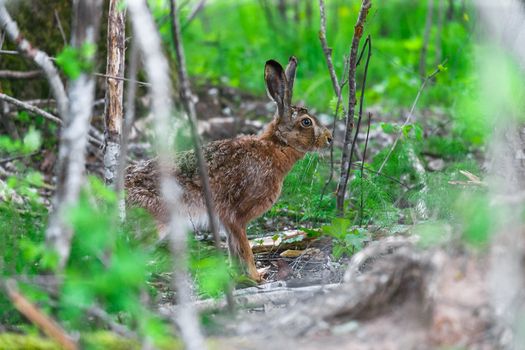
74, 135
39, 57
128, 123
157, 70
409, 116
60, 28
335, 85
361, 99
42, 321
113, 111
13, 74
327, 50
426, 38
345, 158
361, 204
189, 106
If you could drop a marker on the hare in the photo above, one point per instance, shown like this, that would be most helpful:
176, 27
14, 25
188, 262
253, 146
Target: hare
246, 173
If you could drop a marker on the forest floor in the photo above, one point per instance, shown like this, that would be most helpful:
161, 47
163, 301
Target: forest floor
391, 295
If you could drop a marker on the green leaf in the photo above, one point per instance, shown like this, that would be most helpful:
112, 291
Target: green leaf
32, 140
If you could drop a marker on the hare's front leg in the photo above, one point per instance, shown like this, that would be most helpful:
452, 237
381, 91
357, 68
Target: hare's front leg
239, 246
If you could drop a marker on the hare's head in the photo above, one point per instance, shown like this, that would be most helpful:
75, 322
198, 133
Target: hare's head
292, 125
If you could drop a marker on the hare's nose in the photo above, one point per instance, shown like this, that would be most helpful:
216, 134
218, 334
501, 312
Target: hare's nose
329, 139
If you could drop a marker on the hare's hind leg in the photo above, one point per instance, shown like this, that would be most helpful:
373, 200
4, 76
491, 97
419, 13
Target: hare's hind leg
239, 245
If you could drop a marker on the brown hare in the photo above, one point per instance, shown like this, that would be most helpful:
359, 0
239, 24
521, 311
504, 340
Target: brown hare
246, 173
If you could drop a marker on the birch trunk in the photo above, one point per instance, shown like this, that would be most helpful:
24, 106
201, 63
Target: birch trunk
74, 135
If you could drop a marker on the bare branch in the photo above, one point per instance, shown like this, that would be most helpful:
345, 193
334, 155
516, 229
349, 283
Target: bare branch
345, 158
327, 50
39, 57
32, 313
30, 108
193, 13
12, 74
157, 69
60, 28
361, 101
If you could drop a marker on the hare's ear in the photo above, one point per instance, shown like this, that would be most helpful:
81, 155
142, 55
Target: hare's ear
290, 77
276, 85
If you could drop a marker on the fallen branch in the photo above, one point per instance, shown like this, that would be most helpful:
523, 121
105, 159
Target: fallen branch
286, 240
42, 321
256, 297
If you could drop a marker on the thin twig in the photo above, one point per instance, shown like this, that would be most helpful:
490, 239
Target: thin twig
345, 158
327, 50
30, 108
193, 13
409, 116
13, 74
60, 28
32, 313
361, 204
361, 100
189, 106
334, 124
129, 110
157, 69
143, 83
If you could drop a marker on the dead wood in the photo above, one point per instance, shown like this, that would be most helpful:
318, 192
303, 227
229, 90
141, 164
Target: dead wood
274, 294
293, 239
114, 111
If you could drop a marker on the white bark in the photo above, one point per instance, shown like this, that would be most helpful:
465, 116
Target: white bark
157, 70
74, 136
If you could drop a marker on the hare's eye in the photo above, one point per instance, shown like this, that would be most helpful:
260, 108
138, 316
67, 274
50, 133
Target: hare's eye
306, 122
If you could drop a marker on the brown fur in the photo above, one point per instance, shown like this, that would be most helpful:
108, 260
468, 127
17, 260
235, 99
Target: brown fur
246, 173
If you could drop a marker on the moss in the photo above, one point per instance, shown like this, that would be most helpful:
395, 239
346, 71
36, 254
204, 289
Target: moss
90, 341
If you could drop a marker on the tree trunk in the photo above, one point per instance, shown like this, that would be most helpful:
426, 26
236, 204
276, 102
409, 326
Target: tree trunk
113, 113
